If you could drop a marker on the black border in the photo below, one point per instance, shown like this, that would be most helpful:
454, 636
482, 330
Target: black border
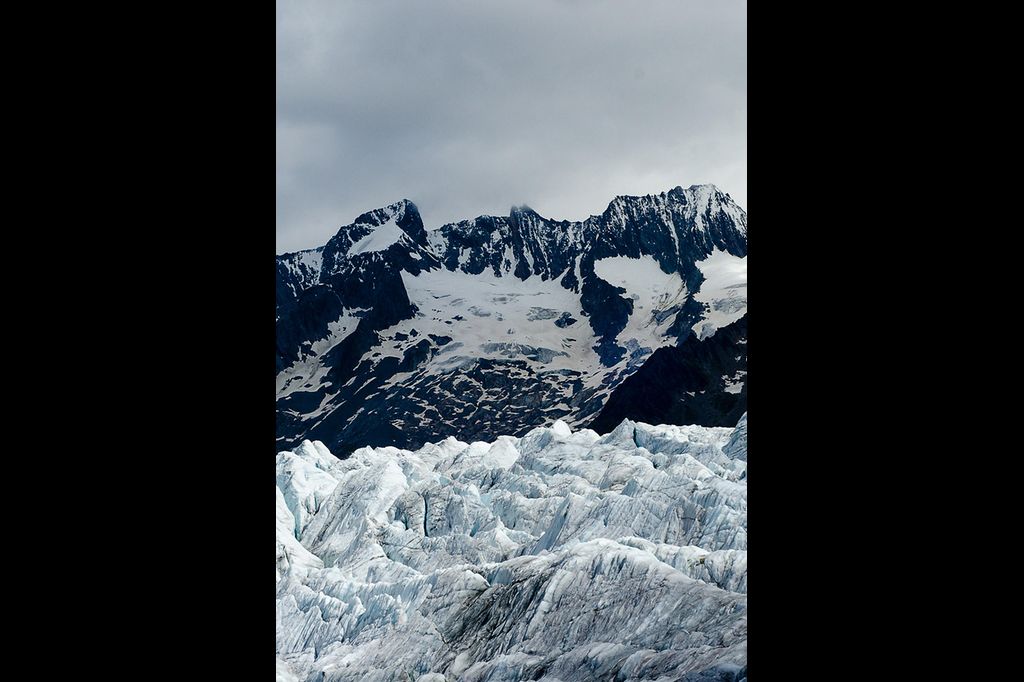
176, 177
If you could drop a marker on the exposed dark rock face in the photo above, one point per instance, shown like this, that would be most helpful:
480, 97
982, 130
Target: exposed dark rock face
685, 384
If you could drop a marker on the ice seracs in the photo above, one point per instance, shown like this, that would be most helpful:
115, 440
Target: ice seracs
560, 555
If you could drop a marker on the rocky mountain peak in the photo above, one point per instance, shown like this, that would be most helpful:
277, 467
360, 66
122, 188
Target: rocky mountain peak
389, 333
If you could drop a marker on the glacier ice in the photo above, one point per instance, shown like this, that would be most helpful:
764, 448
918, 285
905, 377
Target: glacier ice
560, 555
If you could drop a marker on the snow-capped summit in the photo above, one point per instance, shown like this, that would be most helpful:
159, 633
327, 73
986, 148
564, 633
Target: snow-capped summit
522, 209
393, 334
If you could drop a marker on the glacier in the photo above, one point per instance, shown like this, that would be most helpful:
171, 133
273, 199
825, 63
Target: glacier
560, 555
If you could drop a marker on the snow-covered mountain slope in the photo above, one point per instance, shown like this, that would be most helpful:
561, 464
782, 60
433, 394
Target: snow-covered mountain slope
560, 555
392, 334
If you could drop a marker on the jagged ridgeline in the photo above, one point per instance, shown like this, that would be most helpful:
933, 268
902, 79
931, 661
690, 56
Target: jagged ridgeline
395, 334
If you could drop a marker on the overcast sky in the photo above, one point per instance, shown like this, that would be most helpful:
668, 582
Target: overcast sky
467, 108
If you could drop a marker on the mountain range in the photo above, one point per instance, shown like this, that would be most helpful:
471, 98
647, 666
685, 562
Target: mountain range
393, 334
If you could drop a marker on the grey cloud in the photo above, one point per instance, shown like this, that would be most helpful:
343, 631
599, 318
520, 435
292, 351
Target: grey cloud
467, 108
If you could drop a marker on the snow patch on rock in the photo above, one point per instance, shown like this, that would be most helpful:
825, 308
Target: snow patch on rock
724, 291
379, 239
